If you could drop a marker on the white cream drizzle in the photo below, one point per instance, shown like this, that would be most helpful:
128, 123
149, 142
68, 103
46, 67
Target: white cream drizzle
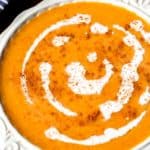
77, 81
138, 26
98, 28
80, 85
25, 89
78, 19
92, 57
145, 97
108, 135
60, 40
45, 69
129, 75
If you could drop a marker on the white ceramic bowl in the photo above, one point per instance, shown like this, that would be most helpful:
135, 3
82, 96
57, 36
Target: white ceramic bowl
10, 139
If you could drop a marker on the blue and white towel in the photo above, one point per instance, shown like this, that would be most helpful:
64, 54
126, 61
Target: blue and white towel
3, 4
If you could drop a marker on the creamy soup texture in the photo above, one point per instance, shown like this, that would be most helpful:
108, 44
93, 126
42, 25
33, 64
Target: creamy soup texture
77, 76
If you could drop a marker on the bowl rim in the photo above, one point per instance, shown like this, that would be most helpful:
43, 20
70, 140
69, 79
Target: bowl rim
15, 138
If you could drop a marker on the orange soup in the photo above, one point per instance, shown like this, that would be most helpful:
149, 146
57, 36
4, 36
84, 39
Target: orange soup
77, 77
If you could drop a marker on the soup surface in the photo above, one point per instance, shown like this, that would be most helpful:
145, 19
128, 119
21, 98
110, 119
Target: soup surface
77, 76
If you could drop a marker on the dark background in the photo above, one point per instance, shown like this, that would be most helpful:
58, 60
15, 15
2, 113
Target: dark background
13, 8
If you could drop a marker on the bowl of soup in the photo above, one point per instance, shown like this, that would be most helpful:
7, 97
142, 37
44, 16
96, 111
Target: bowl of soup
76, 75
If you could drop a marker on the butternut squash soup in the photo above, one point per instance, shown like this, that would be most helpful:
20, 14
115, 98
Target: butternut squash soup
77, 77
